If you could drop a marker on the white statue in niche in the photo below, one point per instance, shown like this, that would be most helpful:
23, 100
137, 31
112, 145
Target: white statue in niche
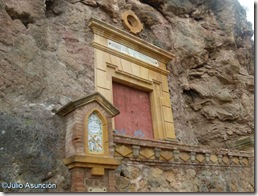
95, 134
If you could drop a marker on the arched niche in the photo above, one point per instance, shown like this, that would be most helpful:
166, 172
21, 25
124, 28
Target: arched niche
96, 133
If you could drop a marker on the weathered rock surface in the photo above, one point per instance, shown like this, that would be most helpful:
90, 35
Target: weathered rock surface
46, 59
31, 151
183, 179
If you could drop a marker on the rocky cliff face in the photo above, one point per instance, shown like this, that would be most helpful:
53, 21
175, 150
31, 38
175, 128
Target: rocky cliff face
46, 60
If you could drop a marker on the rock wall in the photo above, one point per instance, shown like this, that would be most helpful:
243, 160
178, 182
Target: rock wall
46, 60
31, 151
135, 177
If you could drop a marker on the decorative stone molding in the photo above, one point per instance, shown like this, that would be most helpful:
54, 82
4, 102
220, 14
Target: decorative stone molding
91, 162
175, 153
132, 22
95, 97
107, 31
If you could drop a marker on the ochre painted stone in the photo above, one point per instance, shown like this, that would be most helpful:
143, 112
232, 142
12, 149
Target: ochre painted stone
166, 155
97, 171
124, 150
236, 160
184, 156
225, 160
200, 158
245, 161
147, 152
213, 158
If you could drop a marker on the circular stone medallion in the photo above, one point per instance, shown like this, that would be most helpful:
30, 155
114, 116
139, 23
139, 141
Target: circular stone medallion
132, 22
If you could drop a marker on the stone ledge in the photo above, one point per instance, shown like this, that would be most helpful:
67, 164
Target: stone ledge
91, 162
160, 152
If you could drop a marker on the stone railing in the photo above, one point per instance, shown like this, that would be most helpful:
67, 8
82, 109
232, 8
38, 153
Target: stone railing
172, 152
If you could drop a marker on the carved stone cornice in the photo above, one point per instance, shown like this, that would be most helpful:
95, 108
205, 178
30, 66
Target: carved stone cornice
97, 97
129, 58
129, 40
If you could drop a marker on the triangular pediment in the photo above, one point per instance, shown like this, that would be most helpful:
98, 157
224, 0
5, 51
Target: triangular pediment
95, 97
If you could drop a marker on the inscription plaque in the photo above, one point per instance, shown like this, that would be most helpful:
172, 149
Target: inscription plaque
97, 189
133, 53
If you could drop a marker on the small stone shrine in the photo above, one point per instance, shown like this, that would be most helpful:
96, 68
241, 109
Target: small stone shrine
89, 143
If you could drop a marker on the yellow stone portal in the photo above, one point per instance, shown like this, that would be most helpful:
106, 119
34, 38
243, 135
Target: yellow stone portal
126, 59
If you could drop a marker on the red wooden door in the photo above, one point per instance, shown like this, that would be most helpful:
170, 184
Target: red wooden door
135, 111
